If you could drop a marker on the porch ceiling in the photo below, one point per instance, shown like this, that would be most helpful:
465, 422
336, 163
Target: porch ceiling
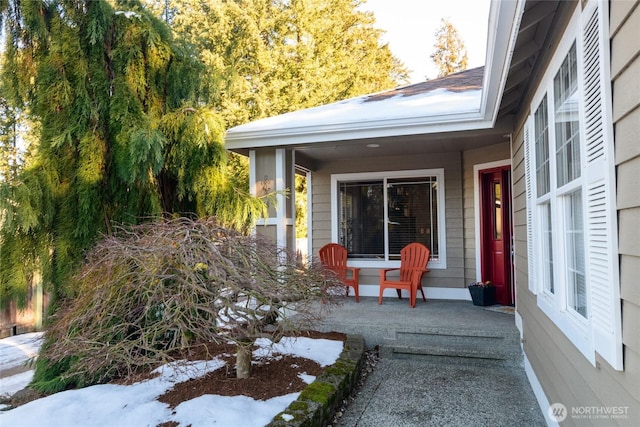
313, 156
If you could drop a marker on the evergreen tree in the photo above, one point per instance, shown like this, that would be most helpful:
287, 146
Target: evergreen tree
130, 119
450, 55
123, 134
268, 57
9, 135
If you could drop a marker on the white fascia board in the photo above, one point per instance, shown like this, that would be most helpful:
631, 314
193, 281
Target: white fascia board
504, 22
350, 131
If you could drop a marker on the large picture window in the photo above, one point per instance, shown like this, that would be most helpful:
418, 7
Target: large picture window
379, 214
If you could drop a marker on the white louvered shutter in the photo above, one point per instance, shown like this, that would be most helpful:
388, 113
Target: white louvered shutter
529, 173
601, 239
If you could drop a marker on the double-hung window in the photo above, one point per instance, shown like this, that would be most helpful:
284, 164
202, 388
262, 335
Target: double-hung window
377, 214
571, 197
559, 181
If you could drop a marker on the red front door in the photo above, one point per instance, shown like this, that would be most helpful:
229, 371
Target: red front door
495, 228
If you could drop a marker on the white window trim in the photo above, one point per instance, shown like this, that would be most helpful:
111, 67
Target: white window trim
476, 206
441, 263
555, 305
588, 335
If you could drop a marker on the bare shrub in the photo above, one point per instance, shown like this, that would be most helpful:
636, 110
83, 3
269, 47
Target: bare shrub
159, 287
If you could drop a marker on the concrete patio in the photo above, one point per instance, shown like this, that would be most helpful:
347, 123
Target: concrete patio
443, 363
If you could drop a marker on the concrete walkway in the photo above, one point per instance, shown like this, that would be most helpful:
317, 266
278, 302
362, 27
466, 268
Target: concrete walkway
443, 363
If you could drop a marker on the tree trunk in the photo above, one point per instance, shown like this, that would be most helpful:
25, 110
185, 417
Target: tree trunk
243, 361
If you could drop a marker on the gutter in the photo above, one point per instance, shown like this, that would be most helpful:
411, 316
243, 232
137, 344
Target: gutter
353, 131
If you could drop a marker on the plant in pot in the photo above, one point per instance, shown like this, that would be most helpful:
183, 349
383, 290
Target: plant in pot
482, 293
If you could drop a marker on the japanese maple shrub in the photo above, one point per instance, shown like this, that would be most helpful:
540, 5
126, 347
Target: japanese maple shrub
169, 285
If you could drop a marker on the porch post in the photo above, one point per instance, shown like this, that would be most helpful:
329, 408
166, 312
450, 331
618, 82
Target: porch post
38, 305
273, 170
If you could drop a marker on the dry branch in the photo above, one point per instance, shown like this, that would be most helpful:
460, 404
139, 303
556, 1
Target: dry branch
150, 290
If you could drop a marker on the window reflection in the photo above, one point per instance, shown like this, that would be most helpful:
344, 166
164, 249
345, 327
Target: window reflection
366, 230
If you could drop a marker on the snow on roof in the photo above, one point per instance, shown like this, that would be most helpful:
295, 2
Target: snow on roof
455, 94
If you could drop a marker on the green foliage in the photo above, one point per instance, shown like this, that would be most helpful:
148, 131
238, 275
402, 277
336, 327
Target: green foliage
17, 132
301, 206
267, 57
319, 392
170, 285
450, 53
130, 118
9, 153
123, 135
50, 376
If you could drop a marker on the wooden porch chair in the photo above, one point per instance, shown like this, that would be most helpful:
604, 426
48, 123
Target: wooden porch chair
334, 257
413, 264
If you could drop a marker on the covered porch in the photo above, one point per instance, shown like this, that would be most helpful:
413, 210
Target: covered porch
389, 169
436, 141
446, 362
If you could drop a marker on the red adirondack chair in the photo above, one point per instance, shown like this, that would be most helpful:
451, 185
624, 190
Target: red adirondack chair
334, 257
413, 264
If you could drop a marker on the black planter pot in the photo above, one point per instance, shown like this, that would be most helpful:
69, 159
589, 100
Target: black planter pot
483, 295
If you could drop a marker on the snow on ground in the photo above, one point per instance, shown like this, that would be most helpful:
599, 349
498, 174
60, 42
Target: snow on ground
15, 352
137, 405
10, 385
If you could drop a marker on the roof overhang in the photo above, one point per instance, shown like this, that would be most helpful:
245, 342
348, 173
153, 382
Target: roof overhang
285, 130
351, 131
504, 22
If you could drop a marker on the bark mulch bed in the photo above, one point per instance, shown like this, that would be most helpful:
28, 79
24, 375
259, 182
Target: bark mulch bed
270, 377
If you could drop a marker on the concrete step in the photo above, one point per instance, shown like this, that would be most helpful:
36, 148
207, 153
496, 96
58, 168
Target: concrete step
455, 346
458, 336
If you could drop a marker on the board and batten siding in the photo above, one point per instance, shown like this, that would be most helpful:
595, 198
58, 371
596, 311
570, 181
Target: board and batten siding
563, 373
470, 158
453, 275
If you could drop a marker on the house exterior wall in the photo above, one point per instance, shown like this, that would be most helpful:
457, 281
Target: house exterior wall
453, 277
625, 73
559, 368
471, 158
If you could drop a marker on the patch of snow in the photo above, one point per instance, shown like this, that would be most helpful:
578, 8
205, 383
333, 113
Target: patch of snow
307, 378
137, 405
128, 14
287, 417
14, 383
323, 351
17, 350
